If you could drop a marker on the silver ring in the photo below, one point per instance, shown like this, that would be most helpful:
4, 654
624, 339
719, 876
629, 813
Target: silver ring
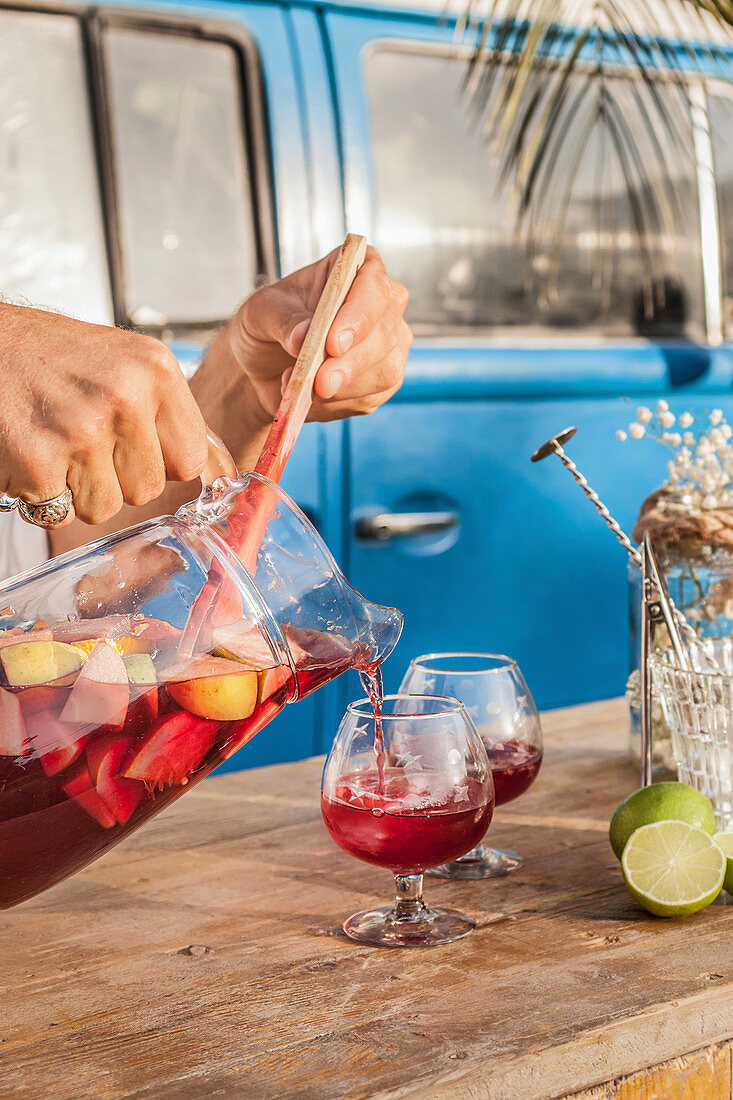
47, 513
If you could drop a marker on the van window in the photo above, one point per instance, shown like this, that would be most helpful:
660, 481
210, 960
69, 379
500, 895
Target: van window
185, 204
448, 234
52, 245
720, 107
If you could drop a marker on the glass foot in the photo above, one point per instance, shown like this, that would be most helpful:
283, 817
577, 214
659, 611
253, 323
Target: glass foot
433, 926
479, 863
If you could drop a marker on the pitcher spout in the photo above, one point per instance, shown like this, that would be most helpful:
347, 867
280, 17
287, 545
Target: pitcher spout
326, 626
378, 627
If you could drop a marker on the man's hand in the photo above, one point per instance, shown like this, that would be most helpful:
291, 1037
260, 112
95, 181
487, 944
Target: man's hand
109, 413
106, 411
244, 375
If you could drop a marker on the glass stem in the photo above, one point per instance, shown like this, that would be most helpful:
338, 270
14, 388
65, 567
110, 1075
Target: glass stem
408, 905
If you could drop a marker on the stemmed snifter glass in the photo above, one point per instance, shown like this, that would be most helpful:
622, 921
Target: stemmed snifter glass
497, 698
407, 791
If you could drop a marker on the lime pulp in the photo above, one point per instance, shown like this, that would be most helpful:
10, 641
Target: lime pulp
673, 869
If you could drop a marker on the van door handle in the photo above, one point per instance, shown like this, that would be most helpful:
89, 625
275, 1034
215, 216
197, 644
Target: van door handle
385, 526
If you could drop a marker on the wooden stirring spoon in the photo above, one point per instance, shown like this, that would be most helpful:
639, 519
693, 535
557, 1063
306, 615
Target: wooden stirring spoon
248, 521
298, 396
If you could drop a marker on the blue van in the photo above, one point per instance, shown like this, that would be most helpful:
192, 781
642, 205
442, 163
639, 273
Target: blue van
158, 161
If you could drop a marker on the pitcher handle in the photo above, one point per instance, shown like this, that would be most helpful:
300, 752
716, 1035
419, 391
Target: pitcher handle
218, 464
220, 482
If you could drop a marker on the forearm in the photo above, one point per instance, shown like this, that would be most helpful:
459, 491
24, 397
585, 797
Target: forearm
229, 404
236, 390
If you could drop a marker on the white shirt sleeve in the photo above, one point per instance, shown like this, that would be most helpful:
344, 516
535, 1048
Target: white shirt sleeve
22, 546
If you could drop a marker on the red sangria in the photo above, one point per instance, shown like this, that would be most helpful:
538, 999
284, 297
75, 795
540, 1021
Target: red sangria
406, 789
496, 696
412, 823
514, 765
101, 725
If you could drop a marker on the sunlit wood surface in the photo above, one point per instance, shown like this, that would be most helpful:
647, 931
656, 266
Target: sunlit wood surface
204, 958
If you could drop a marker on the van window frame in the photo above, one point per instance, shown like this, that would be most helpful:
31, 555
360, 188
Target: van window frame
255, 138
694, 86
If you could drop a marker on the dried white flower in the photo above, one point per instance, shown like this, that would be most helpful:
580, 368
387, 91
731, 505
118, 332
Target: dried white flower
621, 435
701, 465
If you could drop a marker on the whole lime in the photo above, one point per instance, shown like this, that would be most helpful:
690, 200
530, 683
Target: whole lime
725, 842
659, 802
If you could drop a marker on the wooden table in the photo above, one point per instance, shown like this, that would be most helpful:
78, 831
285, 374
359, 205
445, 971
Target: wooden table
204, 958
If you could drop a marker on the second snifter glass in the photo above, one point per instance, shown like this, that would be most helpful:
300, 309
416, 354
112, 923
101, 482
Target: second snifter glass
496, 696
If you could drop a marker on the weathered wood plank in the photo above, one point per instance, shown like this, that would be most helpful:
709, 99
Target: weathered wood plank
204, 955
703, 1075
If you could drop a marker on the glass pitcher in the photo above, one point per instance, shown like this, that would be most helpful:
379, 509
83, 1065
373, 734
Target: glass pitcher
133, 666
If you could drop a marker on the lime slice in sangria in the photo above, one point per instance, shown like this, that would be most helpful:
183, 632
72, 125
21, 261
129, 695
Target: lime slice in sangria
673, 869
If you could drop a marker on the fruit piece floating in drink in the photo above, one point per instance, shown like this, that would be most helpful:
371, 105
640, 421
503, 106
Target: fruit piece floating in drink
101, 724
419, 795
496, 696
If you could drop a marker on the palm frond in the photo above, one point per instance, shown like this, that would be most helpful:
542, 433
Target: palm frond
533, 71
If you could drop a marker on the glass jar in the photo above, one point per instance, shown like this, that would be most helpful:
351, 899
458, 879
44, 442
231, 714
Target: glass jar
699, 577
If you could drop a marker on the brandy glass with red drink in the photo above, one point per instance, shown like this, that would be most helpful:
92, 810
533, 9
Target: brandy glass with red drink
497, 698
407, 789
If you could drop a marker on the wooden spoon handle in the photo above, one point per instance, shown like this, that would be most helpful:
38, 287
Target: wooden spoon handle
296, 400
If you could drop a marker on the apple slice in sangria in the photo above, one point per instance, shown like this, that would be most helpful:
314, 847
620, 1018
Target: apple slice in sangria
101, 726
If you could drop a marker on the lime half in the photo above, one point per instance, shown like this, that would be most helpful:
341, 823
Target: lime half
725, 841
673, 869
659, 802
